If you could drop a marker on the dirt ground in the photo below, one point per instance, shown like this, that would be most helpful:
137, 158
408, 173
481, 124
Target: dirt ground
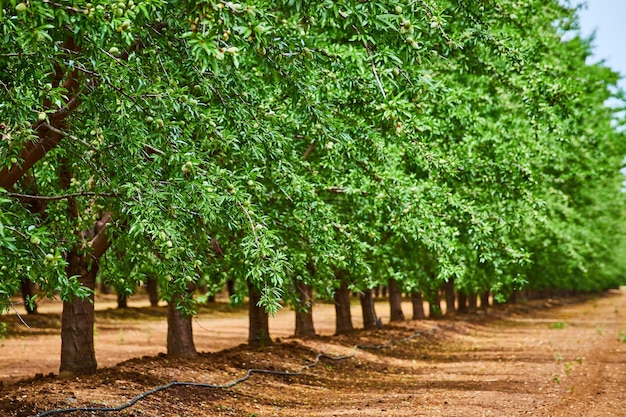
547, 358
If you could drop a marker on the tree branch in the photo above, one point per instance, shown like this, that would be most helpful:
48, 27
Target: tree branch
16, 54
60, 197
252, 226
100, 242
32, 152
69, 135
369, 55
308, 150
374, 71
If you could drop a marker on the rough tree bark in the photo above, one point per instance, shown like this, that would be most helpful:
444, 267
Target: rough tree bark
343, 316
230, 287
77, 347
179, 330
395, 301
78, 356
370, 319
484, 300
122, 300
417, 302
448, 290
462, 301
258, 330
304, 309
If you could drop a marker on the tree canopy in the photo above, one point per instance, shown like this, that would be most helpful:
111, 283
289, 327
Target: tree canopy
204, 140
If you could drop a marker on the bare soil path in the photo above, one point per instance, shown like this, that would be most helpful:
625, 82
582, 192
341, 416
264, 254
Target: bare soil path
549, 358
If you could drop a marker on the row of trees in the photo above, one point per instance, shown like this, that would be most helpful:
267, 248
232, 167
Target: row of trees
301, 148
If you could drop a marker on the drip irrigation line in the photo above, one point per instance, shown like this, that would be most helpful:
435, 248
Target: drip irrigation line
231, 384
237, 381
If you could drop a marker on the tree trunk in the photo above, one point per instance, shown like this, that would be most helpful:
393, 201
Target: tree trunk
204, 290
304, 310
105, 289
380, 290
122, 300
179, 330
448, 289
524, 294
78, 356
77, 348
370, 320
484, 300
343, 316
27, 290
418, 306
230, 287
152, 287
434, 305
472, 304
258, 331
395, 301
462, 297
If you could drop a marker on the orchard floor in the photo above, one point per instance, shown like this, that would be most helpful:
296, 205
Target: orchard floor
547, 358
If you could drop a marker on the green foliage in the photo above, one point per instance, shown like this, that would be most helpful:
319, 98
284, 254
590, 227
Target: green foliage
260, 141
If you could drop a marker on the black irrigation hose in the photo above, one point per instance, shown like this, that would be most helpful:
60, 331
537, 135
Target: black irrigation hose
231, 384
196, 384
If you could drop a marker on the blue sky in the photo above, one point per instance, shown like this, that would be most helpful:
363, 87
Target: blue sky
608, 19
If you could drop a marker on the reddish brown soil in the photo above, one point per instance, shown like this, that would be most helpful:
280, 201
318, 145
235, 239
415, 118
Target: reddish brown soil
549, 358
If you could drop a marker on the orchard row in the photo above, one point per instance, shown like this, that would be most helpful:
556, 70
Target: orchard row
298, 148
